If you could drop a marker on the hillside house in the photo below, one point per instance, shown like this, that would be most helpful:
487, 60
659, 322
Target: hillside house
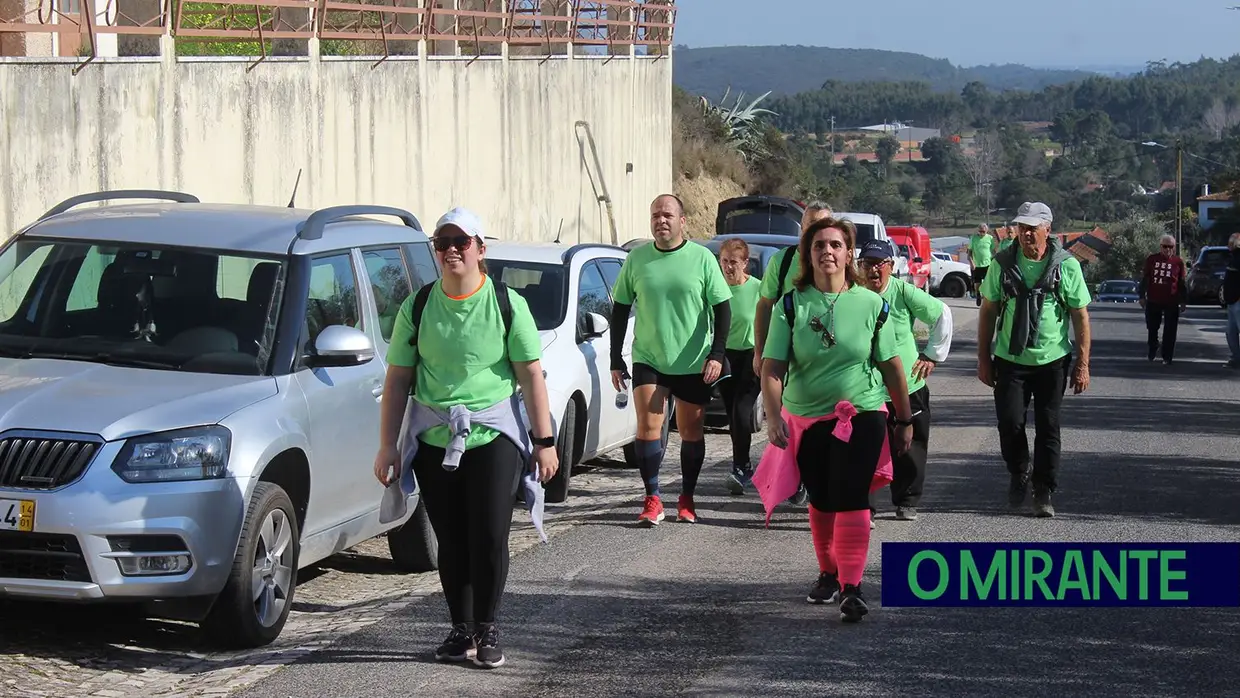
1211, 206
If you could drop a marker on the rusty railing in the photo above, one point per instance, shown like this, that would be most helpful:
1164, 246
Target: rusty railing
472, 27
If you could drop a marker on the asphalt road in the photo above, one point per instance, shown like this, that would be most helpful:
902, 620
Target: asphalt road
1151, 453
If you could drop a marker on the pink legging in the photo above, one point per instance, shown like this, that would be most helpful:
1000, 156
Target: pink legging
842, 542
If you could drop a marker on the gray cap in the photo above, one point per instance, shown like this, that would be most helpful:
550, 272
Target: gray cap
1033, 213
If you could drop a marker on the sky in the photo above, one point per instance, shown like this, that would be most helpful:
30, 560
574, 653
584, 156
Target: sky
1038, 33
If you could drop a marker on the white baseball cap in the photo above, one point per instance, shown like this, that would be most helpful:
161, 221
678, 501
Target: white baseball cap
1033, 213
462, 218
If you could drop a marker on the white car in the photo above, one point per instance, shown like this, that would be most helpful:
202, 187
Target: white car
949, 277
870, 226
569, 291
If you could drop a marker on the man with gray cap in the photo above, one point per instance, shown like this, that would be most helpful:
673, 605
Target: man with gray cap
1034, 289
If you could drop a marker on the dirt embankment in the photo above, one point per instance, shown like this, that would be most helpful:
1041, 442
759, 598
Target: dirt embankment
707, 170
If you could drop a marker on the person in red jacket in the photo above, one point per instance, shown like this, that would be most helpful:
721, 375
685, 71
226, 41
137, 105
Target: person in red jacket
1164, 295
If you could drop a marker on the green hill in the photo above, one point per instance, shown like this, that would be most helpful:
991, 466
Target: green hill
786, 70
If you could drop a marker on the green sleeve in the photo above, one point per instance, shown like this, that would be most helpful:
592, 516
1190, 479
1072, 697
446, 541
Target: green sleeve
991, 286
778, 336
400, 351
770, 277
886, 347
1072, 285
922, 305
717, 288
523, 341
623, 292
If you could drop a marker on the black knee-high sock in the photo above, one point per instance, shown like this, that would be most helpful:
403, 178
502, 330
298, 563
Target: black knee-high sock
692, 453
649, 458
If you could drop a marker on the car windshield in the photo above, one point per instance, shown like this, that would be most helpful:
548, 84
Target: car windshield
1118, 287
1215, 260
865, 233
541, 285
136, 305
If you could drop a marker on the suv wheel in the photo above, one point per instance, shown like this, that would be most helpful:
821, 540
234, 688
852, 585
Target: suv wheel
256, 600
557, 488
413, 545
953, 287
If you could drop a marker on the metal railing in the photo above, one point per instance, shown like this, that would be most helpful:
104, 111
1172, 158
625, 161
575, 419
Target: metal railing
476, 27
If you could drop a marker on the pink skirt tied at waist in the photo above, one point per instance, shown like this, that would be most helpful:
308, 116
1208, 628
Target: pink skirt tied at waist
777, 475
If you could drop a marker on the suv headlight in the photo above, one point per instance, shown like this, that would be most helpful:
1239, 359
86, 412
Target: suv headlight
200, 453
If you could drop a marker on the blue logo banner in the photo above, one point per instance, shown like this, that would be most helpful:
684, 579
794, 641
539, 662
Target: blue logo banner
1061, 574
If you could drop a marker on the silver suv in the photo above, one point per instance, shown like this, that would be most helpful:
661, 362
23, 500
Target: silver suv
189, 402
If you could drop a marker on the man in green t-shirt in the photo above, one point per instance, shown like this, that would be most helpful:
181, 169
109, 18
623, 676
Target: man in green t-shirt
772, 290
683, 312
909, 303
1034, 289
981, 251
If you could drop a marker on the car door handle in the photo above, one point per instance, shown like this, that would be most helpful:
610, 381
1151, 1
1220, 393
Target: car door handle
377, 392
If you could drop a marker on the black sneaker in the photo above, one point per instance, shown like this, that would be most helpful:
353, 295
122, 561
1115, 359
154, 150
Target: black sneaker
906, 513
459, 645
826, 589
739, 479
852, 604
1017, 490
489, 654
801, 497
1042, 506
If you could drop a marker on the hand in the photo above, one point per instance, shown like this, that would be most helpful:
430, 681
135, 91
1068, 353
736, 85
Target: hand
385, 465
986, 370
922, 368
777, 430
618, 380
757, 363
1142, 301
903, 439
1080, 378
548, 462
710, 373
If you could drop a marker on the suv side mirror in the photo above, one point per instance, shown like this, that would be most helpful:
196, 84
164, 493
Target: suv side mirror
593, 325
340, 345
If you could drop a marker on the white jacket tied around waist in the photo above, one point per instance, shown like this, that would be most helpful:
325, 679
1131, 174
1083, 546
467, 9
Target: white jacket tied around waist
506, 416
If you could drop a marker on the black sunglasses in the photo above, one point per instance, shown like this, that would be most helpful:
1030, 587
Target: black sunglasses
460, 242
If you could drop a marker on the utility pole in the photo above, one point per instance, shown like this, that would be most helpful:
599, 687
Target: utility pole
1179, 200
832, 141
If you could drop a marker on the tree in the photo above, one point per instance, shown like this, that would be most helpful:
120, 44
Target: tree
984, 161
1133, 240
886, 150
1220, 117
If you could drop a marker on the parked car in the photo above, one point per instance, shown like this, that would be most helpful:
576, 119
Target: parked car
1205, 276
569, 292
759, 214
189, 402
949, 277
1117, 291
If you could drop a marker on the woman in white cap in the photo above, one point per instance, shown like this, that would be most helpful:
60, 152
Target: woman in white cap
461, 359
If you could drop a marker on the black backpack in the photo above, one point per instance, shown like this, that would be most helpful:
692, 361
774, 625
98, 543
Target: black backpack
424, 295
785, 265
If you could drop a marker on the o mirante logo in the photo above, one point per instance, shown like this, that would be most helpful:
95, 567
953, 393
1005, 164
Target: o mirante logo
1061, 574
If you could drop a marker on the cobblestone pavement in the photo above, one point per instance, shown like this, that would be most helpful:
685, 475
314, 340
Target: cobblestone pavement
63, 651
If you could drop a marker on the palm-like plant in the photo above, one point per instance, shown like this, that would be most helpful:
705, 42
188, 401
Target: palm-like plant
741, 124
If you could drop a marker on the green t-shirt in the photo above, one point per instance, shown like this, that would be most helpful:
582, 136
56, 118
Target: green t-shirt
462, 360
818, 376
770, 278
981, 250
744, 306
1005, 243
1055, 326
672, 292
909, 303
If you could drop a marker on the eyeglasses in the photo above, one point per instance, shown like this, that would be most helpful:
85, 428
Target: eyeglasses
828, 338
460, 242
1168, 247
875, 263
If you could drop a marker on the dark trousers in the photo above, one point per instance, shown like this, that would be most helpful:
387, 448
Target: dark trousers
470, 509
1015, 386
740, 395
909, 468
838, 474
1155, 315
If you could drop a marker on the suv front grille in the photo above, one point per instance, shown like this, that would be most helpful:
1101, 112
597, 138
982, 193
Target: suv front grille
34, 463
48, 556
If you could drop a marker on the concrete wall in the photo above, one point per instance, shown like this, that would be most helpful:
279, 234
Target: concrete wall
499, 135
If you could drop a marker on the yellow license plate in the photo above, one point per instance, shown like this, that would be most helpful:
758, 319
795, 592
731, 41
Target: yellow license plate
16, 515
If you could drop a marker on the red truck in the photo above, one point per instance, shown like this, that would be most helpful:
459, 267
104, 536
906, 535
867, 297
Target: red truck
914, 241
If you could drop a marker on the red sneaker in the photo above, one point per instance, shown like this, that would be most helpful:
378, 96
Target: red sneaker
652, 514
684, 510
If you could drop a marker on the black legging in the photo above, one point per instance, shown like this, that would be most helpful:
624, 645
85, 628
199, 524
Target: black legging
471, 511
740, 394
838, 474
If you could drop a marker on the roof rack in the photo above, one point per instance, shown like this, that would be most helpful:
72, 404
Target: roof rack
80, 199
312, 227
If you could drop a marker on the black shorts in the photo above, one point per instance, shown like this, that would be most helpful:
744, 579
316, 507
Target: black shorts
837, 474
979, 274
691, 388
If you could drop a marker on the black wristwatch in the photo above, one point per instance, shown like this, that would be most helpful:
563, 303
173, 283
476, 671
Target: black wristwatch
548, 441
902, 422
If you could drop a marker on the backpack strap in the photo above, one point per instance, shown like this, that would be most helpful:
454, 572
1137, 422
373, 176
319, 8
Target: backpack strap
883, 314
785, 265
505, 306
419, 307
